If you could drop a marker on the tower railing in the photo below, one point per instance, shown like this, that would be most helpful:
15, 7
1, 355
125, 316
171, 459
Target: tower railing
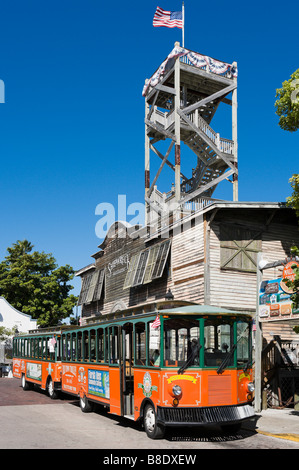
166, 119
206, 67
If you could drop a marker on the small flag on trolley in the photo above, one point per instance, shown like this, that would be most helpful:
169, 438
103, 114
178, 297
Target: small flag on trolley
51, 344
169, 19
156, 322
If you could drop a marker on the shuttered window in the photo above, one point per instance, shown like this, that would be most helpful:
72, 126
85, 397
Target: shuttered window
131, 271
86, 280
148, 265
140, 270
239, 248
99, 286
152, 258
92, 285
162, 255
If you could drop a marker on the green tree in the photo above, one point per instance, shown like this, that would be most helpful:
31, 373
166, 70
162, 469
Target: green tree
287, 108
33, 283
294, 285
6, 333
293, 201
287, 104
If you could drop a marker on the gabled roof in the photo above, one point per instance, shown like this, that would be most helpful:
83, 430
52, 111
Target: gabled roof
16, 310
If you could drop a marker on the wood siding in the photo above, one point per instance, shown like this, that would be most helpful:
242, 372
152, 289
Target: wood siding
237, 289
188, 264
228, 288
195, 270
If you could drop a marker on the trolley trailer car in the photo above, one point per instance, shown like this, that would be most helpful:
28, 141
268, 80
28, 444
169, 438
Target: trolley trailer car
187, 365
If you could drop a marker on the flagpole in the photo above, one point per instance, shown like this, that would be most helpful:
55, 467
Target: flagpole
183, 29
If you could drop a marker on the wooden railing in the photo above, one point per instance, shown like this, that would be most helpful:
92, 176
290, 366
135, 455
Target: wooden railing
166, 119
280, 352
227, 74
199, 203
224, 145
280, 364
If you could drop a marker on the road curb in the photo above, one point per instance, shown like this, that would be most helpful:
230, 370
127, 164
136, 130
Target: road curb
289, 437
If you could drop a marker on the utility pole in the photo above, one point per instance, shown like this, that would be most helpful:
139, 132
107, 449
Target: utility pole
258, 341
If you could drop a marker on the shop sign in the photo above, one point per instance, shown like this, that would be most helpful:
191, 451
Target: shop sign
275, 301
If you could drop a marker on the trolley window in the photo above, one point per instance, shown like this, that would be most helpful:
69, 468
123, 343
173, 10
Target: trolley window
100, 345
154, 345
73, 346
85, 346
181, 342
243, 342
140, 344
93, 345
219, 341
79, 346
113, 345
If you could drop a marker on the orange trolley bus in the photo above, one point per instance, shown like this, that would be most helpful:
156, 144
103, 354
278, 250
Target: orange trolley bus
187, 365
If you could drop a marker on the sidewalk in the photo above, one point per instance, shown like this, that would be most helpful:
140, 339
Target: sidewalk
283, 424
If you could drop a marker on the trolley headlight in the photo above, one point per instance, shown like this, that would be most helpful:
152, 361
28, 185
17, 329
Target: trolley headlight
250, 387
176, 390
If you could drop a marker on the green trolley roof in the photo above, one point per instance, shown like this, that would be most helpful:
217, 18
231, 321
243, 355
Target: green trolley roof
201, 310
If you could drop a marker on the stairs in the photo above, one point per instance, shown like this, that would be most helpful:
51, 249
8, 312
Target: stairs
215, 155
209, 166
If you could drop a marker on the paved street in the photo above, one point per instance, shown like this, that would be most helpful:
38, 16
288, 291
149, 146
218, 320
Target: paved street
31, 420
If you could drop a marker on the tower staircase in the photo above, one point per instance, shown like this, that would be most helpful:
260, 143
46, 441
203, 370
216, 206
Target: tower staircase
181, 102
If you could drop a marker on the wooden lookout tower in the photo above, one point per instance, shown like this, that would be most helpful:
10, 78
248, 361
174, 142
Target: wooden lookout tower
181, 99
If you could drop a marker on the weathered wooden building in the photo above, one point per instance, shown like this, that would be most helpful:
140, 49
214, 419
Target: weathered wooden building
192, 247
207, 257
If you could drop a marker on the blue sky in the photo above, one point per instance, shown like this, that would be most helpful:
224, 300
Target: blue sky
72, 125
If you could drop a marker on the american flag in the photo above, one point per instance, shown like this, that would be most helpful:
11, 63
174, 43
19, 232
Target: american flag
169, 19
156, 323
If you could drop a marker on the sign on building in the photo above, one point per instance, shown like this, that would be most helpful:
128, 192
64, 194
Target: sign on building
275, 301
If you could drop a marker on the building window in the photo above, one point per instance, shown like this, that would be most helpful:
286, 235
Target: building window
131, 271
92, 287
86, 280
239, 248
140, 269
160, 261
99, 286
147, 265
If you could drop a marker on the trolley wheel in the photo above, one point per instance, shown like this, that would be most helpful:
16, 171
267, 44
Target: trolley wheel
85, 405
51, 390
25, 385
153, 429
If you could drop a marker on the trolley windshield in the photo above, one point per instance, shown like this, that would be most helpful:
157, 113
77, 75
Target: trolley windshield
206, 342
